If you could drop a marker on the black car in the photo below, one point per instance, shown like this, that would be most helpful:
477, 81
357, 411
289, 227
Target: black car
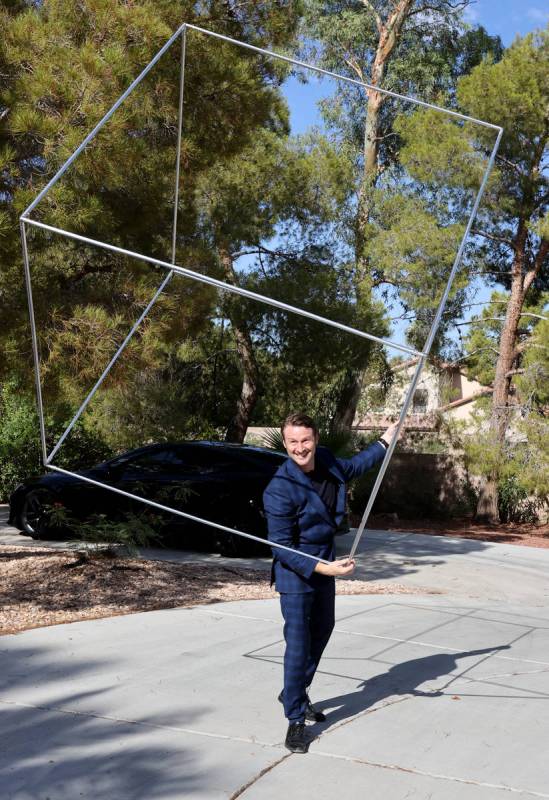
216, 481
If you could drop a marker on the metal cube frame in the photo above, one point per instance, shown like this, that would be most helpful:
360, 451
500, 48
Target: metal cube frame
172, 268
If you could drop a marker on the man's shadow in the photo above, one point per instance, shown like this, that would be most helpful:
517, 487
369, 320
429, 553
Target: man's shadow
401, 679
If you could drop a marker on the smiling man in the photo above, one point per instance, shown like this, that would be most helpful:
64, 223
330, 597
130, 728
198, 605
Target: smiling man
305, 505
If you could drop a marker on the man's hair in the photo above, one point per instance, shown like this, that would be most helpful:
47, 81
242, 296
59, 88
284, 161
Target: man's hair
299, 420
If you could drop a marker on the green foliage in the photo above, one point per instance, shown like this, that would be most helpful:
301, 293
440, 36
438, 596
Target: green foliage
511, 93
481, 343
405, 241
520, 464
514, 503
511, 248
432, 51
19, 441
247, 188
533, 384
20, 451
122, 537
121, 190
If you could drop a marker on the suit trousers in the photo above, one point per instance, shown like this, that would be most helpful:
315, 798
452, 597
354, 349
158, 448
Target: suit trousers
309, 620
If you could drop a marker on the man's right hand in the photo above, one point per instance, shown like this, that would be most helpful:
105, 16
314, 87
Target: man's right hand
337, 569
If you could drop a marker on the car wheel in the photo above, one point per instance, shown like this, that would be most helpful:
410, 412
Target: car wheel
34, 514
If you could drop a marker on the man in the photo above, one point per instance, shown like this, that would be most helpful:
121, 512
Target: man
305, 504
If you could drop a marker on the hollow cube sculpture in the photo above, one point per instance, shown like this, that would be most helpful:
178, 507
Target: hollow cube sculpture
173, 269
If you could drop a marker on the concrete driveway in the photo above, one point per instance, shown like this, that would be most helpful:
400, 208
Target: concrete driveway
428, 696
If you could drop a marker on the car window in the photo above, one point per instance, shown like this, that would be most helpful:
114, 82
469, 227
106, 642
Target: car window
211, 459
190, 458
229, 459
155, 462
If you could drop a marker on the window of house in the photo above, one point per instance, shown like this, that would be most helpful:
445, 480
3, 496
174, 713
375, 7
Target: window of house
419, 402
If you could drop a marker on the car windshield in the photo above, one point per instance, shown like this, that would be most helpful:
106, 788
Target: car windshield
200, 458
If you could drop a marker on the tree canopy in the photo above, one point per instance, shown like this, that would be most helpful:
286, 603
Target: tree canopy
349, 221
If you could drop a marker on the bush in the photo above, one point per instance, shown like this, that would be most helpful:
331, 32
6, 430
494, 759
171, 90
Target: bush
514, 502
20, 450
99, 534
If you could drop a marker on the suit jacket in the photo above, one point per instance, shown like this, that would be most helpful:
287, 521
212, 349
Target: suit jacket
298, 518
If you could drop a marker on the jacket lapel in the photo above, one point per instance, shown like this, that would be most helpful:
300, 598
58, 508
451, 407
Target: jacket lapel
312, 495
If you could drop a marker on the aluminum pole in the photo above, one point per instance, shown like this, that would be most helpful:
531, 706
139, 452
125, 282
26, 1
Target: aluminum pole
34, 338
179, 134
110, 365
160, 507
101, 122
344, 78
202, 278
432, 333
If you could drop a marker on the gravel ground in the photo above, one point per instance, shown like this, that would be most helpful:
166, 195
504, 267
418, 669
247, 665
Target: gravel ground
41, 587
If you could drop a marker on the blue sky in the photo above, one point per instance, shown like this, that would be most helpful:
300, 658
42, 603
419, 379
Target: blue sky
507, 18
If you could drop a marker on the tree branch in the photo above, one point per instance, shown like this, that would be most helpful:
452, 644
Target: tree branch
539, 260
472, 353
422, 9
467, 399
494, 238
370, 7
355, 67
511, 165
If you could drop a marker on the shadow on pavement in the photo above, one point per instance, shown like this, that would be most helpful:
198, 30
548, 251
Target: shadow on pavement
389, 556
60, 749
401, 679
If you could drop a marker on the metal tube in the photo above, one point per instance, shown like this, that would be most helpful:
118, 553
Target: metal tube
227, 287
335, 75
198, 276
176, 511
100, 124
269, 53
432, 333
387, 458
109, 366
179, 132
459, 255
34, 338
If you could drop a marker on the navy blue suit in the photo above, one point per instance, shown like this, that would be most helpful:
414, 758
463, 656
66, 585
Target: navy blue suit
298, 518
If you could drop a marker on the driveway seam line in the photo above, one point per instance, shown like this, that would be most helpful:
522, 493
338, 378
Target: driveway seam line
424, 773
256, 778
122, 720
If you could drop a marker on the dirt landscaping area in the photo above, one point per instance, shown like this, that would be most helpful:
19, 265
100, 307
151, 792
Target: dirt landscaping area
525, 534
40, 587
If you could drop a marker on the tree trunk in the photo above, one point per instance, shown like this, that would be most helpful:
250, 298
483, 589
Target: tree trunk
236, 430
487, 506
389, 32
347, 401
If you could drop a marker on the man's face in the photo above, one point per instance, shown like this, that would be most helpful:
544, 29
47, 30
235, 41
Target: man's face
300, 444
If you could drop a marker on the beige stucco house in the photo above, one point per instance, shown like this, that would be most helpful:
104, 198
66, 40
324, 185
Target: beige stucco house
443, 388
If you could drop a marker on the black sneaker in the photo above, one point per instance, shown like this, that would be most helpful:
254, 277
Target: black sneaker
311, 714
296, 739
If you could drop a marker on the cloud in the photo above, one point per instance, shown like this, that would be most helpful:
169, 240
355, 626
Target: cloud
537, 14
